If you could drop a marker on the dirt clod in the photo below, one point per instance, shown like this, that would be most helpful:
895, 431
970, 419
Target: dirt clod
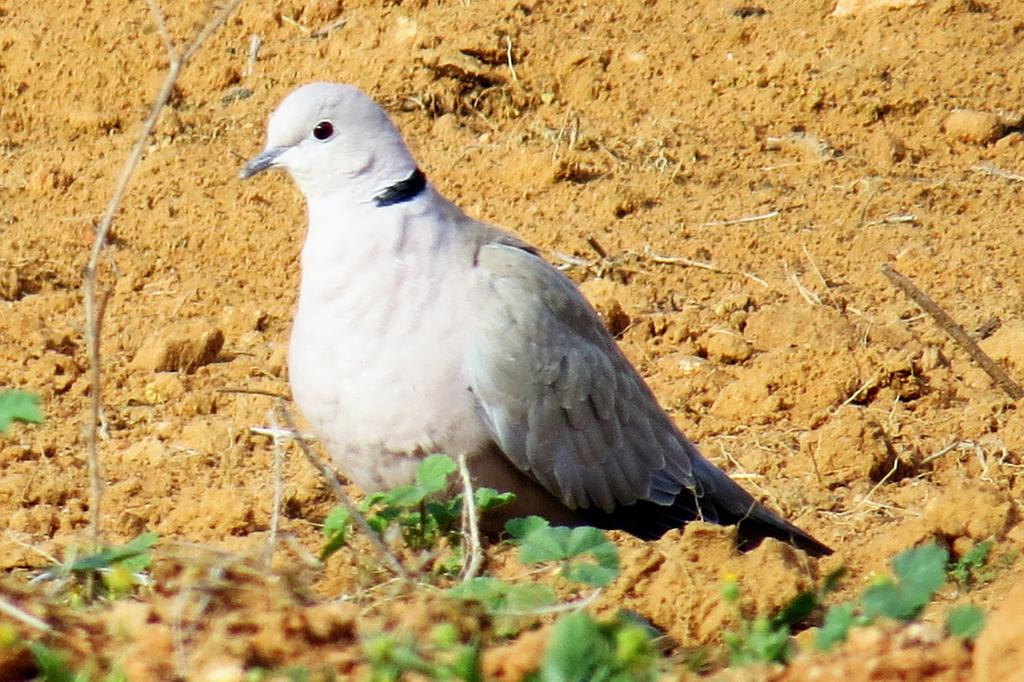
180, 347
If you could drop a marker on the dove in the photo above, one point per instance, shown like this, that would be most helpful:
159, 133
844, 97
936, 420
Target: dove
419, 330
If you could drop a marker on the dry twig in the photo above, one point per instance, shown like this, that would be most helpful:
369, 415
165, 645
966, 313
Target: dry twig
947, 324
93, 304
679, 260
275, 517
378, 545
12, 611
989, 169
470, 525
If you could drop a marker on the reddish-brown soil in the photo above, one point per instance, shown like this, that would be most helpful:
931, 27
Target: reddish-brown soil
723, 178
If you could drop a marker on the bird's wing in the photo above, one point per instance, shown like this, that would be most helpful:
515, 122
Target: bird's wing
560, 399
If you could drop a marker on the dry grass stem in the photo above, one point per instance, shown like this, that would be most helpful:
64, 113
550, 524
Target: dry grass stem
989, 169
808, 295
275, 515
866, 500
575, 605
679, 260
739, 221
333, 26
947, 324
255, 42
385, 554
254, 391
470, 525
821, 277
12, 611
508, 57
93, 306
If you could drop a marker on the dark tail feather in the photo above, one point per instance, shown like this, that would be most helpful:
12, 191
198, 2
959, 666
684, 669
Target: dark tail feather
734, 505
761, 524
720, 500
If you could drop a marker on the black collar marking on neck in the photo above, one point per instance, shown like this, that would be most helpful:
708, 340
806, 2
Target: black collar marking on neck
403, 190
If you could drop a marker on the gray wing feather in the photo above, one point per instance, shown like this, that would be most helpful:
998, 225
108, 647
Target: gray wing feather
560, 399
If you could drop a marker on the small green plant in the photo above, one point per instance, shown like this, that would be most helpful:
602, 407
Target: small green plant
966, 570
582, 649
418, 510
919, 573
443, 657
53, 666
290, 673
584, 554
119, 570
769, 640
965, 621
584, 557
21, 406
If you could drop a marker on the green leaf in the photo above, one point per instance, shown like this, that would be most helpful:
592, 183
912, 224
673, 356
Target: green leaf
575, 547
433, 472
797, 610
404, 496
965, 621
498, 595
17, 405
528, 597
964, 570
489, 498
548, 543
575, 650
133, 554
838, 621
832, 580
518, 529
920, 572
337, 527
767, 643
52, 665
922, 569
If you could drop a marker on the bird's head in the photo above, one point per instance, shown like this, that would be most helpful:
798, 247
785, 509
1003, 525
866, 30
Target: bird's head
334, 141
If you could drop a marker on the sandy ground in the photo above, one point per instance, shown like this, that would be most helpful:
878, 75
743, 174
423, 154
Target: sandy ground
728, 177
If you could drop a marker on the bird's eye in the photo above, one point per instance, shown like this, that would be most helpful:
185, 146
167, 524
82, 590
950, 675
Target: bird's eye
323, 130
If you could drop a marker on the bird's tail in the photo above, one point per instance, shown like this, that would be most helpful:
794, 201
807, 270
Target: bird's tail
724, 501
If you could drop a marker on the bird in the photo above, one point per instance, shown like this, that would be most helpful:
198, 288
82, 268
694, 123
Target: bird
419, 330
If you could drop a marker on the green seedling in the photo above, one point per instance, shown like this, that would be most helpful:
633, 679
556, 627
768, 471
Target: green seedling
769, 640
919, 573
585, 554
53, 666
419, 510
443, 657
967, 570
120, 569
966, 621
581, 649
20, 406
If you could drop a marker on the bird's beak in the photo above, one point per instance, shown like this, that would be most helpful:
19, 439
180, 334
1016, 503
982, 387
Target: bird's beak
261, 162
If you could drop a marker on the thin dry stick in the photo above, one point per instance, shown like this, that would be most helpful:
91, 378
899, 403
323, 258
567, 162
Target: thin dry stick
93, 307
989, 169
998, 374
470, 525
679, 260
821, 277
740, 221
379, 547
275, 518
508, 58
12, 611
